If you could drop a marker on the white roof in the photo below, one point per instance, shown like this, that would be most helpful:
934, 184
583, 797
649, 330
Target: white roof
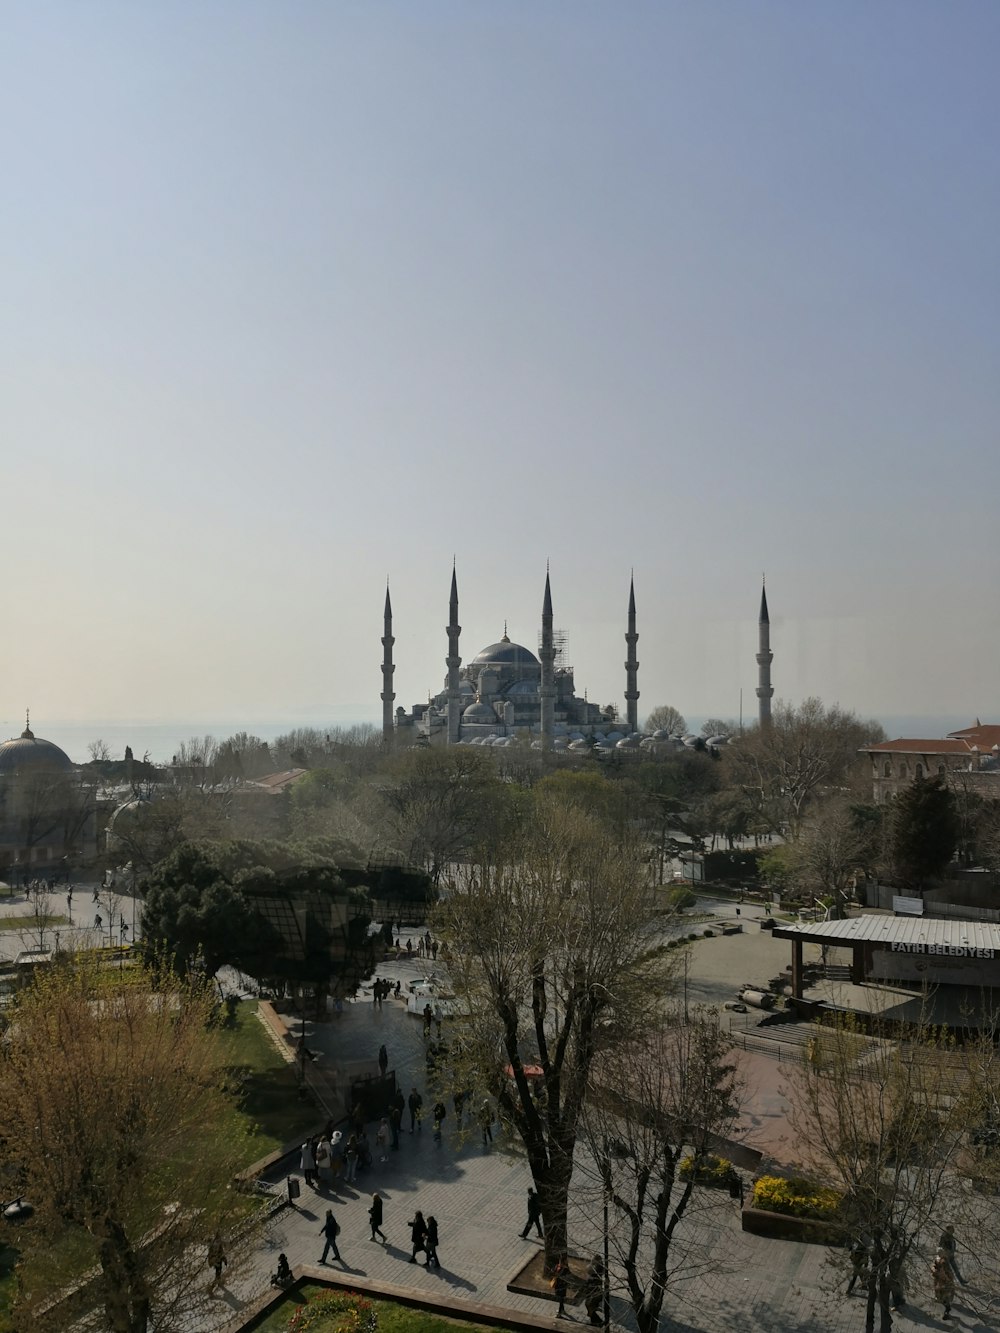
898, 930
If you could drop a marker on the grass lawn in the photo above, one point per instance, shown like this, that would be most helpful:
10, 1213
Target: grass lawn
392, 1318
270, 1112
32, 922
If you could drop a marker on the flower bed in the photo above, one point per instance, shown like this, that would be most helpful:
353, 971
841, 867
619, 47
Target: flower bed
335, 1312
707, 1169
794, 1209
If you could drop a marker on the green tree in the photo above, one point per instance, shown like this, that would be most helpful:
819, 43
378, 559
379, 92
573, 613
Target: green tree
109, 1094
925, 830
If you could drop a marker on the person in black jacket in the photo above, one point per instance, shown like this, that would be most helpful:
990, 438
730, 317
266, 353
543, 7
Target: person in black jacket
330, 1230
375, 1217
534, 1215
431, 1243
418, 1235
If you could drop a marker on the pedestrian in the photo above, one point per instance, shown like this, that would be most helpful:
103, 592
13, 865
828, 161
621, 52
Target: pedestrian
427, 941
418, 1234
859, 1264
416, 1105
949, 1247
330, 1229
324, 1161
431, 1243
351, 1159
486, 1122
897, 1282
534, 1215
409, 948
375, 1217
98, 922
383, 1059
95, 898
428, 1019
438, 1015
439, 1114
216, 1259
395, 1123
358, 1119
459, 1100
559, 1286
398, 988
307, 1164
420, 948
382, 1139
593, 1291
943, 1277
434, 950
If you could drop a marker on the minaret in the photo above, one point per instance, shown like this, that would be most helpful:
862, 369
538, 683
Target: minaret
453, 662
631, 665
387, 669
765, 691
547, 657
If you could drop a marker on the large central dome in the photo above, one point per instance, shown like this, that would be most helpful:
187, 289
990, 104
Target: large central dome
507, 654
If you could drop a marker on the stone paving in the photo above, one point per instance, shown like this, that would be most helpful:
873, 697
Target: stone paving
741, 1284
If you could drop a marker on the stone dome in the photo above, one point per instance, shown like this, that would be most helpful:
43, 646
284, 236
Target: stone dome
507, 654
480, 714
28, 754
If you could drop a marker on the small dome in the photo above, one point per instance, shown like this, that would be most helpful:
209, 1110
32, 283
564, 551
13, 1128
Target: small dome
521, 688
629, 743
480, 714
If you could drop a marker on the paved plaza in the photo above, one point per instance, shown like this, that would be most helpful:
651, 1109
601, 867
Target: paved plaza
735, 1283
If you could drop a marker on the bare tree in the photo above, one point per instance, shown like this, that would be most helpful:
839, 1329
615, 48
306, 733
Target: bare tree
804, 753
666, 1096
883, 1121
834, 845
666, 718
550, 944
99, 751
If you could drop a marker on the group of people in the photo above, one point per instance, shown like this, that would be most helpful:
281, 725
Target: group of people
944, 1271
323, 1160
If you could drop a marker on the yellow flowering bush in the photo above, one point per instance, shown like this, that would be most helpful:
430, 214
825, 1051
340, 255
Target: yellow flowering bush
707, 1169
796, 1198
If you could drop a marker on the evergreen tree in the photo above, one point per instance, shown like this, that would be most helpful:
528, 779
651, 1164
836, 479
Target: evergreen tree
925, 831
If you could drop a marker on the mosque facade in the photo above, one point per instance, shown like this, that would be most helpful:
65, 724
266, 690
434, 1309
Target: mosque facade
506, 693
47, 818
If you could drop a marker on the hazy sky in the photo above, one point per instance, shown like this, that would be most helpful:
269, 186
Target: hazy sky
298, 296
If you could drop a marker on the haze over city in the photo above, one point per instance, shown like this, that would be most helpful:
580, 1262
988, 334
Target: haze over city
299, 298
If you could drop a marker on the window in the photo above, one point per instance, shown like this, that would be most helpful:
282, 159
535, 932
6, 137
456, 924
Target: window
940, 770
887, 771
902, 770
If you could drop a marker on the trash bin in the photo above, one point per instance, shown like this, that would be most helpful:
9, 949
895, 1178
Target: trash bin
294, 1189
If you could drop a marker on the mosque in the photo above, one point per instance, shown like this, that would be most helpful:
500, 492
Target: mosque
47, 818
508, 694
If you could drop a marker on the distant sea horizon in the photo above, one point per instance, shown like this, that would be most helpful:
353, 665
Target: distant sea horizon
161, 739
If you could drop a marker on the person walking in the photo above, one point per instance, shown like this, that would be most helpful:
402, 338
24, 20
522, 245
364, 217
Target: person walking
593, 1291
351, 1155
418, 1235
431, 1243
416, 1105
383, 1059
395, 1124
216, 1259
375, 1216
307, 1164
534, 1216
859, 1265
559, 1286
382, 1139
948, 1245
486, 1122
330, 1229
439, 1114
943, 1277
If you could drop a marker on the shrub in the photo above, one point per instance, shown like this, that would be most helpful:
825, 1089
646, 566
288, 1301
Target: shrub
709, 934
680, 898
795, 1198
707, 1169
